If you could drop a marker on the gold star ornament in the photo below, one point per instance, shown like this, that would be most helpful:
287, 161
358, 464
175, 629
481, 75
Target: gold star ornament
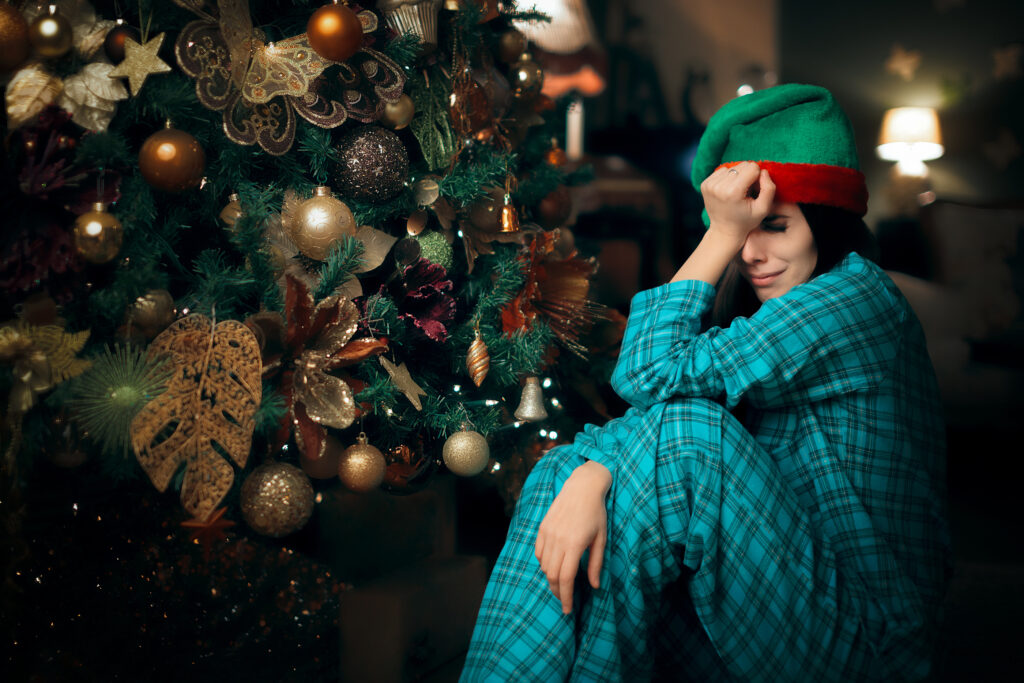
401, 378
140, 61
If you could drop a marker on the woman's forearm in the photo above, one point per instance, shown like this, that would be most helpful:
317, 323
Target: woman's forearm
710, 259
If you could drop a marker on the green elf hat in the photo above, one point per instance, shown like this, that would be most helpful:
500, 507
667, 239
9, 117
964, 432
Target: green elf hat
799, 135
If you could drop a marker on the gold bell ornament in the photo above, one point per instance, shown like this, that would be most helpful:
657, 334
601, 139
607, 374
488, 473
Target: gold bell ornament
466, 453
319, 222
98, 235
418, 17
361, 467
527, 77
531, 403
509, 216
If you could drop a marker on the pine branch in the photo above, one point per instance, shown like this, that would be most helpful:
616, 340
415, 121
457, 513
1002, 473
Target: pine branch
344, 258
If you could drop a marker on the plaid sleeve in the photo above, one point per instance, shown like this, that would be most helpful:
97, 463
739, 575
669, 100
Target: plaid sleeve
833, 335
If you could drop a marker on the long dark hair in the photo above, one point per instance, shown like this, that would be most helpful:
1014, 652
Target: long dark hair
836, 233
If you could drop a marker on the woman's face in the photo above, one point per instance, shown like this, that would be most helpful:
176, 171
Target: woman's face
778, 254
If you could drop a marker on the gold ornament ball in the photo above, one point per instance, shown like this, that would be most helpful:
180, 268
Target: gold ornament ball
511, 44
319, 222
335, 32
362, 466
277, 499
172, 160
152, 312
466, 453
326, 466
14, 43
485, 212
51, 35
399, 113
527, 77
232, 211
98, 235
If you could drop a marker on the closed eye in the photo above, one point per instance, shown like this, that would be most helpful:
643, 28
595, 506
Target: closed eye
773, 226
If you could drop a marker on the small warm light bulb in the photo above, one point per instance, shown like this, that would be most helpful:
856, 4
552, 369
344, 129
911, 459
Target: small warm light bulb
546, 383
457, 388
552, 435
744, 89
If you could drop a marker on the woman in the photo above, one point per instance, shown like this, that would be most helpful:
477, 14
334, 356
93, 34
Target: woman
805, 541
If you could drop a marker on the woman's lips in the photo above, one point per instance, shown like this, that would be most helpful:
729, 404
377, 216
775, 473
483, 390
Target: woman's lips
763, 280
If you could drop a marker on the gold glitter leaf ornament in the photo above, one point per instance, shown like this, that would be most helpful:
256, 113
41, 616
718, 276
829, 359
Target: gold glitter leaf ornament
205, 414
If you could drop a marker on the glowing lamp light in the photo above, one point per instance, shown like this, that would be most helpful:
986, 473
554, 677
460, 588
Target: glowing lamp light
910, 136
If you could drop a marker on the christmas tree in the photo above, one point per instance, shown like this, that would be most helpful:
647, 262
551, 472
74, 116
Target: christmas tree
256, 248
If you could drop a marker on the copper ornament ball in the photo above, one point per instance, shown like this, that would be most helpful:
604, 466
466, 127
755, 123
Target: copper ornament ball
361, 467
398, 114
319, 222
335, 32
152, 312
14, 42
51, 35
526, 76
511, 44
276, 499
172, 160
485, 213
555, 208
113, 44
374, 165
98, 235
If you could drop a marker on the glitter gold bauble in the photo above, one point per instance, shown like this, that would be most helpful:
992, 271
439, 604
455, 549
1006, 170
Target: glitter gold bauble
435, 248
531, 403
526, 76
232, 211
14, 43
466, 453
335, 32
172, 160
113, 44
51, 35
361, 467
326, 466
98, 235
399, 113
374, 164
319, 222
511, 44
277, 499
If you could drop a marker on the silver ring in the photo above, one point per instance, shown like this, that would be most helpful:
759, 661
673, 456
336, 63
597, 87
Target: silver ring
733, 171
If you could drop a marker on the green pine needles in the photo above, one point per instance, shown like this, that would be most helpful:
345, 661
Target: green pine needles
108, 396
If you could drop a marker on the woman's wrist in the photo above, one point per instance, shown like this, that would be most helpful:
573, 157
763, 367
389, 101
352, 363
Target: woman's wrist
597, 473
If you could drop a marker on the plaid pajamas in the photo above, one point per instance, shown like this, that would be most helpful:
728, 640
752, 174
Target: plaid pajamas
807, 543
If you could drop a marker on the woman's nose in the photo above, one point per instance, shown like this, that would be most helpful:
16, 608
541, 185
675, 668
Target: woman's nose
752, 251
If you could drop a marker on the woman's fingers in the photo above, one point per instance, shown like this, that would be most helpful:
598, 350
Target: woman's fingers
566, 579
766, 195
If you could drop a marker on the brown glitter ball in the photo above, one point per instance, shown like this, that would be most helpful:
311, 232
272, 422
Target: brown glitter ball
374, 165
277, 499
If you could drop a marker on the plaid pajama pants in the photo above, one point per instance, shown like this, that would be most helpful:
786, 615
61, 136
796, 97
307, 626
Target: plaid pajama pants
713, 570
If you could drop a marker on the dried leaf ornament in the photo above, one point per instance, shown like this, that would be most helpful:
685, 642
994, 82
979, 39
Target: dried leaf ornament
556, 290
317, 341
206, 414
260, 87
42, 357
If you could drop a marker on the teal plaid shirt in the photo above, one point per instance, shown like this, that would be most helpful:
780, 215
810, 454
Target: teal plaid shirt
813, 534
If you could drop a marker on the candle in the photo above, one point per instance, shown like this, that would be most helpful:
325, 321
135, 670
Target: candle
574, 130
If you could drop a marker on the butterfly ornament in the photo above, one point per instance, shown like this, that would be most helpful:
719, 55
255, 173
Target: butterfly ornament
261, 87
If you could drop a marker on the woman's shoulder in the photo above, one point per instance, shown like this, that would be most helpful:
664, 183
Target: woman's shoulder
854, 284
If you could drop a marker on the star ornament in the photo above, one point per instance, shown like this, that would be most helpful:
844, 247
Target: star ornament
401, 378
140, 61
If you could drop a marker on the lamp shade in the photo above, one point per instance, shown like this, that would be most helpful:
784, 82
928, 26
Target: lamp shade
910, 134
